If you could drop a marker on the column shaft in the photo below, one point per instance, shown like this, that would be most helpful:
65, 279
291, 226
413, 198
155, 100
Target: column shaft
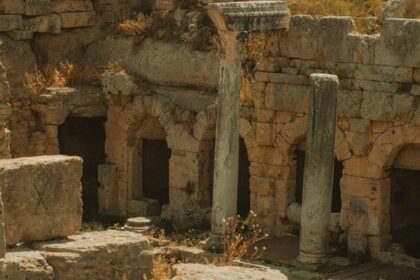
319, 169
226, 159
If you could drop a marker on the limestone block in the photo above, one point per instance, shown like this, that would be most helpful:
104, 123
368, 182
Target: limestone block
300, 40
101, 255
10, 22
42, 24
360, 48
348, 103
362, 167
12, 7
281, 78
77, 19
378, 86
199, 271
400, 9
384, 73
25, 264
291, 98
41, 196
143, 207
415, 90
399, 44
385, 106
332, 40
38, 7
264, 134
19, 35
118, 83
60, 6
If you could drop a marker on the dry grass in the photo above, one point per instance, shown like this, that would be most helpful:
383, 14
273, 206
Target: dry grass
354, 8
161, 269
63, 75
239, 239
135, 27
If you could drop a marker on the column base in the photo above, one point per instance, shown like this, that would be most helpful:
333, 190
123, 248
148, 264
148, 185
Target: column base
214, 243
312, 258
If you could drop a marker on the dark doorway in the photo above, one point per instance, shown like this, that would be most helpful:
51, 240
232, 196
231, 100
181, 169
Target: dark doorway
405, 210
244, 192
338, 172
156, 155
85, 137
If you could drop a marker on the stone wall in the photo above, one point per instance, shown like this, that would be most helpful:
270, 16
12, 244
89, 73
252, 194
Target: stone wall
378, 113
41, 197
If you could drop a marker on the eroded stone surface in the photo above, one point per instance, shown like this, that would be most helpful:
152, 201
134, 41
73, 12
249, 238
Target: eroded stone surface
41, 196
209, 272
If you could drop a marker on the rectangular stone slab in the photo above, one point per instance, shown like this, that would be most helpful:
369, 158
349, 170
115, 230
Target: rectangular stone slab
42, 197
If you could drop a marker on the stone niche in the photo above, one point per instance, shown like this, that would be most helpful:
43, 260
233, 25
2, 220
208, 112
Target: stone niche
41, 196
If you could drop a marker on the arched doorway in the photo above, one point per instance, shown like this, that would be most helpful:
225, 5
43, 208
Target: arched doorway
405, 200
85, 137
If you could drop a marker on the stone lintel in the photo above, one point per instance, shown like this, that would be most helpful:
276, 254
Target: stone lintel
250, 15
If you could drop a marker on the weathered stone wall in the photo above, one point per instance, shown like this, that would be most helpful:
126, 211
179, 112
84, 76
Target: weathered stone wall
5, 111
41, 197
377, 111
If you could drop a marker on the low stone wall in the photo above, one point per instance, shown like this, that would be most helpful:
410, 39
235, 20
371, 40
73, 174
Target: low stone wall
41, 197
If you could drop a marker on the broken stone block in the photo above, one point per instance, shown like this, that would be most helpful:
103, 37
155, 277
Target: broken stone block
12, 7
143, 207
10, 22
43, 24
101, 255
77, 19
118, 83
72, 6
41, 197
38, 7
22, 264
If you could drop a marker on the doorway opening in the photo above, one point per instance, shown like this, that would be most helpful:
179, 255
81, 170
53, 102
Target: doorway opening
155, 158
244, 192
85, 137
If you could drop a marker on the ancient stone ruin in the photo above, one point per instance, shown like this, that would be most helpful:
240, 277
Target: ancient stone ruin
141, 114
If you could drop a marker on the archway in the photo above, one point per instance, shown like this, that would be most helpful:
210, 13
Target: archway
85, 137
405, 197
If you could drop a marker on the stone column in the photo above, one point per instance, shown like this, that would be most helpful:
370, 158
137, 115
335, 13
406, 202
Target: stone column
233, 20
319, 169
2, 231
225, 190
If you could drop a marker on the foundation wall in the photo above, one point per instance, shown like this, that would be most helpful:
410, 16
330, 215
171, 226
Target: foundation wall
377, 116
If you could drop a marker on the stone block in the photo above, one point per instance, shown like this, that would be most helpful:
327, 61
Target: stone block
386, 106
143, 207
41, 197
264, 134
107, 177
59, 6
281, 78
417, 75
399, 43
12, 7
384, 73
332, 39
348, 103
101, 255
10, 22
289, 98
43, 24
38, 7
25, 264
118, 83
2, 231
301, 39
77, 19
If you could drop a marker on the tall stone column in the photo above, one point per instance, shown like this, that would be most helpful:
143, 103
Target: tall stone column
233, 20
226, 158
2, 231
319, 169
